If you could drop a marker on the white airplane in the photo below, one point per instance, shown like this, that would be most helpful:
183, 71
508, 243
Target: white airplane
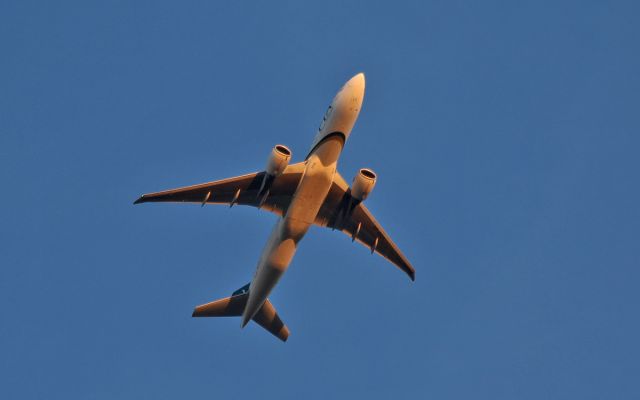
302, 194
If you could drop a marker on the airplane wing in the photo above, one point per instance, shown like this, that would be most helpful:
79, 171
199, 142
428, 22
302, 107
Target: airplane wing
360, 225
242, 190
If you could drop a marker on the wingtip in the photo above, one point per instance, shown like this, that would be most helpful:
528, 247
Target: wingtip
139, 200
284, 335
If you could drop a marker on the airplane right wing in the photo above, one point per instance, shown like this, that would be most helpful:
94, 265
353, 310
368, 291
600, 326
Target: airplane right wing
242, 190
360, 225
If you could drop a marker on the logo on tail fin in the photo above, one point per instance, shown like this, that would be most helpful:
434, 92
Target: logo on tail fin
242, 290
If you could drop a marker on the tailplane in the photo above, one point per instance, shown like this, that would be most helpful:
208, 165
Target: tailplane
233, 306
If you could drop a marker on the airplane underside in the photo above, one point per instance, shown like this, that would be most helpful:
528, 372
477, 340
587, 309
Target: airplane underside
307, 193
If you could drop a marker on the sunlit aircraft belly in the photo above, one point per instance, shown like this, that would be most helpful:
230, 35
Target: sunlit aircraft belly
310, 194
289, 230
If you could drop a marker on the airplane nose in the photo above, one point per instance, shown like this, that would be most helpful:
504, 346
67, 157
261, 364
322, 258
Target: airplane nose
357, 82
353, 91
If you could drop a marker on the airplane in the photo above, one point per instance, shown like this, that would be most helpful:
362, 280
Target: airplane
311, 192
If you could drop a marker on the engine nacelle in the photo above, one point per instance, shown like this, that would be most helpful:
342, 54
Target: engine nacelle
363, 184
278, 160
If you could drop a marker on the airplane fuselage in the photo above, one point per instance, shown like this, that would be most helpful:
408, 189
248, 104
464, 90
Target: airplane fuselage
316, 181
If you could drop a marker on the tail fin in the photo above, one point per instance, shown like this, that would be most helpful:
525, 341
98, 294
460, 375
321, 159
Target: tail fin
233, 306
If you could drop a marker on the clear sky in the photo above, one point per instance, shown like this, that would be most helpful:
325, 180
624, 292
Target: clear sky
505, 136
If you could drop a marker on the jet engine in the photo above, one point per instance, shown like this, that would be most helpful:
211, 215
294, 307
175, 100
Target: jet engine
363, 184
278, 160
276, 164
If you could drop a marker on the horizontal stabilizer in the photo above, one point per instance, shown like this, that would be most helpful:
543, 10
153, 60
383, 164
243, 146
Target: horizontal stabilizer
227, 307
268, 318
233, 306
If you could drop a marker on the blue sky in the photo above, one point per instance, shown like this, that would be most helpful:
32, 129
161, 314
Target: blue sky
505, 136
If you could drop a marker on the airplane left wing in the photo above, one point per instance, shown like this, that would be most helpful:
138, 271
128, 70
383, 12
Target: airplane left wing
242, 190
360, 225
